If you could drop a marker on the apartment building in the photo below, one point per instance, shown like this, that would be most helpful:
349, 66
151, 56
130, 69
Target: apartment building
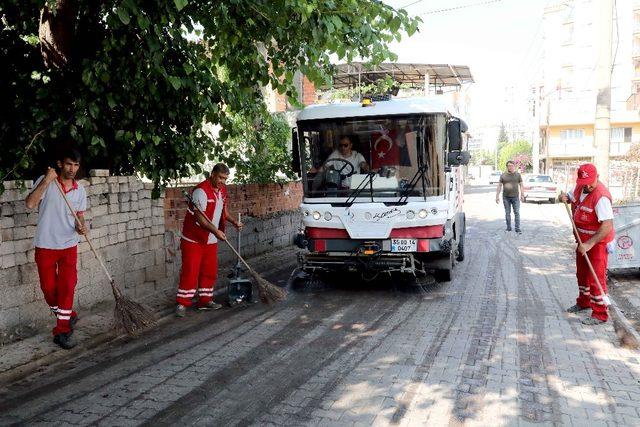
566, 92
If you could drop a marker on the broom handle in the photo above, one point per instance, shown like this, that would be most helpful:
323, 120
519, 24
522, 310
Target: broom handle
586, 257
190, 199
86, 236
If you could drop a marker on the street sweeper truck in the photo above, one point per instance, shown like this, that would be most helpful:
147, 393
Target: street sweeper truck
383, 187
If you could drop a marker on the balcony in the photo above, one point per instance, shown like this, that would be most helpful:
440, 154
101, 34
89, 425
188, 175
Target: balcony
571, 148
570, 111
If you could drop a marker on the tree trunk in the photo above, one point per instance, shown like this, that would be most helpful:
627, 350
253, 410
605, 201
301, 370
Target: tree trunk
56, 32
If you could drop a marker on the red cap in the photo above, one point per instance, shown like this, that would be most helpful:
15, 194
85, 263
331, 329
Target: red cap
587, 174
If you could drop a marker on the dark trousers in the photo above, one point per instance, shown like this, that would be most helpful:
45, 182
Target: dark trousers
510, 202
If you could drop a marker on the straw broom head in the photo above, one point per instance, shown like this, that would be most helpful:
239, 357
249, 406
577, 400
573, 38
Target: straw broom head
269, 293
129, 316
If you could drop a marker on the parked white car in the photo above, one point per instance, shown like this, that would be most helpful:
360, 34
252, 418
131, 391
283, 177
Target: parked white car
540, 188
494, 178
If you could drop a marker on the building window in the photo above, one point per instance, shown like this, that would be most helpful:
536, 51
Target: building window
620, 141
571, 135
620, 134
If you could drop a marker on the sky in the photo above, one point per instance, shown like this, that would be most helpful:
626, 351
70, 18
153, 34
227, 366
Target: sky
499, 40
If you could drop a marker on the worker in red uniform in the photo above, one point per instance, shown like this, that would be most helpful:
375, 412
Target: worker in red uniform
593, 216
56, 240
199, 244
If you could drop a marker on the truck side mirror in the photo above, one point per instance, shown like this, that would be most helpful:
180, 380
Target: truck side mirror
455, 128
295, 152
457, 158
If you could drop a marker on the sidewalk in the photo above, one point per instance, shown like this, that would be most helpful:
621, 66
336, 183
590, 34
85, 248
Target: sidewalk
624, 287
20, 358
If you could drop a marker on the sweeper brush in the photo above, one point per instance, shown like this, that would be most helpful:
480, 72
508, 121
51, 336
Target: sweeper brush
269, 293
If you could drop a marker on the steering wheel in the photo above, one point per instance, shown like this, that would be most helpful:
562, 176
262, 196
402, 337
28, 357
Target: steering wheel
347, 165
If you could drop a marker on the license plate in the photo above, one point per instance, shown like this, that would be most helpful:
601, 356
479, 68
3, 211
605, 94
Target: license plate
404, 245
541, 189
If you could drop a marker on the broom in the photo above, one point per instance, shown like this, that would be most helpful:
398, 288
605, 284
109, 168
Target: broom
626, 337
269, 293
129, 316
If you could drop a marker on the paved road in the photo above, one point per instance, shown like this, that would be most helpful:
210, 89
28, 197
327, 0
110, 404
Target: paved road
492, 347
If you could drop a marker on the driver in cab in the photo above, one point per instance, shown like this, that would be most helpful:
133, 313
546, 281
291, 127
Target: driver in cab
343, 153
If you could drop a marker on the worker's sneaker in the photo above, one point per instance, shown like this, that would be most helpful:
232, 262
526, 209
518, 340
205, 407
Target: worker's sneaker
209, 306
518, 232
181, 310
593, 321
576, 308
65, 341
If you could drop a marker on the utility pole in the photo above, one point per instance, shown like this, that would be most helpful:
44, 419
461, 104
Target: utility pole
604, 68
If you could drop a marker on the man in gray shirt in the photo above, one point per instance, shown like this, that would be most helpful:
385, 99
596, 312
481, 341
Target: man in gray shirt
512, 194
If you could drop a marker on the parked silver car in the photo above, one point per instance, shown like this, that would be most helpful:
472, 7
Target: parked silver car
540, 188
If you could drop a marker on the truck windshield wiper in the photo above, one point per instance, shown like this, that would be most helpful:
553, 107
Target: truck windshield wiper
352, 198
412, 184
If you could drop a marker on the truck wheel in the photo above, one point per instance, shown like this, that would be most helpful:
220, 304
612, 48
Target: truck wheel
552, 200
460, 256
445, 275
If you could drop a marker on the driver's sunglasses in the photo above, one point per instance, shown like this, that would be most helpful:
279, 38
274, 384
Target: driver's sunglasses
343, 145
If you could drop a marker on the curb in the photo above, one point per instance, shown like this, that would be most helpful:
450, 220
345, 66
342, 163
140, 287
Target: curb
627, 334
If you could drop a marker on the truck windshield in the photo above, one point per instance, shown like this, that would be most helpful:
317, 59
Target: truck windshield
388, 157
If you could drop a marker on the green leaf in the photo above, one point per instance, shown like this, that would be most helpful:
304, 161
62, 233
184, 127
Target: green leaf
94, 110
123, 14
180, 4
176, 82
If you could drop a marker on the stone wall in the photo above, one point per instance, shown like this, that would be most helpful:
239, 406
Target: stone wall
269, 212
137, 237
127, 230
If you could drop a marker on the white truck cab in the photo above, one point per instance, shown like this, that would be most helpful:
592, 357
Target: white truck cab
383, 188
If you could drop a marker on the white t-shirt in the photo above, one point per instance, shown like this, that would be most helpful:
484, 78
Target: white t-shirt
604, 210
356, 159
200, 198
56, 225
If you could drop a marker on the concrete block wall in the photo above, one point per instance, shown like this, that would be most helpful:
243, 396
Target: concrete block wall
137, 237
126, 229
269, 211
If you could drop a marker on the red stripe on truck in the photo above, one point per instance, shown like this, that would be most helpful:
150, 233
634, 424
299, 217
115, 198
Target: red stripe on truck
428, 232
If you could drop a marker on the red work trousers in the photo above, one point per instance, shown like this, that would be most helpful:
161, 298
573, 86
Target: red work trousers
199, 272
58, 277
589, 293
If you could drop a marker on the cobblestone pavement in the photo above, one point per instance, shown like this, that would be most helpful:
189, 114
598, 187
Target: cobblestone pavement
492, 347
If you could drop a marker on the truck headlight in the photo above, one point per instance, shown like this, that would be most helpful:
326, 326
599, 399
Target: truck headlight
306, 213
328, 216
434, 211
423, 213
411, 214
316, 215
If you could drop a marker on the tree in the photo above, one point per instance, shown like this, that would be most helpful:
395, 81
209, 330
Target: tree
482, 157
634, 153
259, 152
132, 82
518, 151
503, 137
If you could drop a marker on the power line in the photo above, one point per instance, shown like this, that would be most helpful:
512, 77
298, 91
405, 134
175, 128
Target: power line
411, 4
463, 6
